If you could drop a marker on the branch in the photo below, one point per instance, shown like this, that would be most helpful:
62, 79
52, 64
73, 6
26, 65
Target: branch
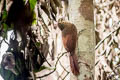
39, 52
80, 32
63, 71
6, 42
42, 21
1, 40
106, 37
54, 68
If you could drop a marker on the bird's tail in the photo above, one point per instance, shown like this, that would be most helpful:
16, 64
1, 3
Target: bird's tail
74, 64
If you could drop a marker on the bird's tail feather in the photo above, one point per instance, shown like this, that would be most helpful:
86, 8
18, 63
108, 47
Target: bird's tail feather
74, 64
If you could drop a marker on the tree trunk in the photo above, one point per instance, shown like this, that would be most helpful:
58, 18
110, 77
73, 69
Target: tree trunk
81, 14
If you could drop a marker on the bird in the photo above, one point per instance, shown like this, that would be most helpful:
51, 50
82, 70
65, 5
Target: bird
69, 38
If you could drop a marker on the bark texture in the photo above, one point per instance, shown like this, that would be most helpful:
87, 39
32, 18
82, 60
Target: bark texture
86, 40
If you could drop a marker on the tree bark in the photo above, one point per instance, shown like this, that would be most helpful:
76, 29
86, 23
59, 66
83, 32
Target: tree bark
81, 14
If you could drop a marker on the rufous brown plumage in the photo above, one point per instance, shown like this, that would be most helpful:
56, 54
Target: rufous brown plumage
69, 37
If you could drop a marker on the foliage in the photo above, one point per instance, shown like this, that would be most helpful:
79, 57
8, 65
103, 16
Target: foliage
107, 29
32, 4
37, 47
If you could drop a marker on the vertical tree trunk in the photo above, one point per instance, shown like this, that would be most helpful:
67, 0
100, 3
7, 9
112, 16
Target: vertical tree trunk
81, 14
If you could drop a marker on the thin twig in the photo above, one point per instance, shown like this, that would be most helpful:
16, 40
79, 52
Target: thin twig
85, 63
44, 25
80, 32
6, 42
54, 68
41, 54
62, 66
64, 70
66, 75
106, 38
1, 41
103, 52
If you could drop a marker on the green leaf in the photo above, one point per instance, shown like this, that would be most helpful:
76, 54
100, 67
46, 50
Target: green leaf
5, 28
24, 1
34, 19
4, 16
32, 4
44, 67
37, 44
